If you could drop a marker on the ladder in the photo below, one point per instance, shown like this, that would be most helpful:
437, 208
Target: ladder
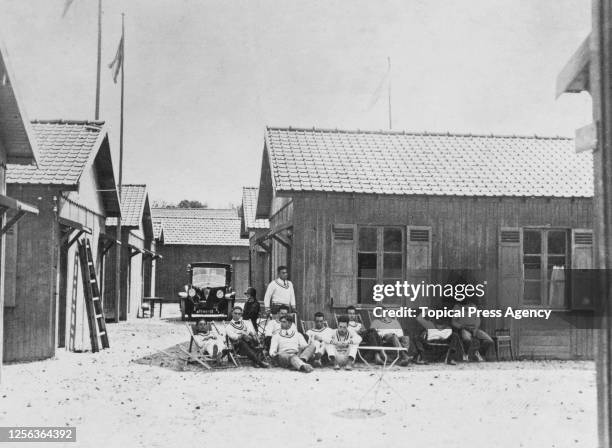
93, 304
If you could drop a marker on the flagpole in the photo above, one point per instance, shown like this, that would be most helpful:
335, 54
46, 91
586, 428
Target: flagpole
97, 112
389, 92
120, 181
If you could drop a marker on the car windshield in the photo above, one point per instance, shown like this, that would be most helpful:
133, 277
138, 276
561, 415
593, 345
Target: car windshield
207, 277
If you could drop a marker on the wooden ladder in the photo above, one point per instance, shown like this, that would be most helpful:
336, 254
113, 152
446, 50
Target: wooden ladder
93, 304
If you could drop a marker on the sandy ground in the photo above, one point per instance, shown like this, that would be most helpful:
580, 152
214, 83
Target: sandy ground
132, 395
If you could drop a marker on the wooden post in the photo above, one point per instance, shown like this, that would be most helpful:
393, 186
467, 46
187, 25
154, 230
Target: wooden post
600, 83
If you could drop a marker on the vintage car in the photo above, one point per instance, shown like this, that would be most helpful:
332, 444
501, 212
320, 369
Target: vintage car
208, 291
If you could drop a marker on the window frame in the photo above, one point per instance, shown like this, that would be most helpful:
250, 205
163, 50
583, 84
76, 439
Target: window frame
544, 281
380, 255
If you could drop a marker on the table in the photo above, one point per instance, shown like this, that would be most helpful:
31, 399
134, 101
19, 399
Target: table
152, 301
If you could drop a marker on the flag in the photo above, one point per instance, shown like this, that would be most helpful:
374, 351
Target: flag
379, 90
117, 63
67, 7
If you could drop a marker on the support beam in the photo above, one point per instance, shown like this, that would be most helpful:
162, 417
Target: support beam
574, 77
11, 222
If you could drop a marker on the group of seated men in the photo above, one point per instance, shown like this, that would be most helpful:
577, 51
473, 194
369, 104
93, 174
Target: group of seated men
287, 347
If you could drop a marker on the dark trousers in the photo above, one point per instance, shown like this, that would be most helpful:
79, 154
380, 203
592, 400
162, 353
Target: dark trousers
476, 340
453, 342
249, 349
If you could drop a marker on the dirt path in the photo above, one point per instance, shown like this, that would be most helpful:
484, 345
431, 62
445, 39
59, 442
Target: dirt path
132, 395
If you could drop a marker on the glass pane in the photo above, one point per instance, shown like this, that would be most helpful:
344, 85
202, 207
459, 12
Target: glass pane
532, 242
392, 240
393, 299
556, 294
532, 293
556, 242
392, 265
532, 267
556, 272
364, 290
556, 260
367, 239
366, 265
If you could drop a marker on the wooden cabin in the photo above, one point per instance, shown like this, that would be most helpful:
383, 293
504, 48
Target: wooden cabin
199, 234
259, 251
17, 147
350, 209
138, 255
74, 189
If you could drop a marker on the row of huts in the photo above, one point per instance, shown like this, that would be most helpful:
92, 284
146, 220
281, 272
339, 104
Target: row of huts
58, 186
345, 210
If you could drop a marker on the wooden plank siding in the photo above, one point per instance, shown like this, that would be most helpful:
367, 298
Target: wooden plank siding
29, 325
465, 234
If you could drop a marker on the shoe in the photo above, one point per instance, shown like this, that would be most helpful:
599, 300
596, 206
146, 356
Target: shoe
451, 362
419, 361
466, 358
306, 368
336, 366
263, 364
348, 366
479, 357
404, 362
317, 363
378, 359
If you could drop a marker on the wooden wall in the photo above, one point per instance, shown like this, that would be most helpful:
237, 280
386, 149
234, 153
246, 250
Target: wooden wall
259, 261
464, 235
30, 315
171, 270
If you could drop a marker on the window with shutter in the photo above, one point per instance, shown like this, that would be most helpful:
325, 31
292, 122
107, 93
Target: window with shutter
343, 270
582, 281
418, 254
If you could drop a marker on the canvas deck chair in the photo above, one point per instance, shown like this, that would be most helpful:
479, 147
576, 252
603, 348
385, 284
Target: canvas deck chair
337, 315
200, 356
438, 345
309, 325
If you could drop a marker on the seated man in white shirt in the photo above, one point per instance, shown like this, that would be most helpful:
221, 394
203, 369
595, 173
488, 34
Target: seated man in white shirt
273, 325
290, 348
319, 336
279, 292
434, 331
209, 338
392, 335
244, 338
342, 348
354, 323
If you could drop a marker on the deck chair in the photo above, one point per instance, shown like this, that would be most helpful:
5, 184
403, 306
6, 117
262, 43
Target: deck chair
436, 345
201, 356
337, 315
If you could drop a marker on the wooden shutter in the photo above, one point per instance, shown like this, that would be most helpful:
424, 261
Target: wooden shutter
343, 277
418, 254
510, 267
582, 280
10, 269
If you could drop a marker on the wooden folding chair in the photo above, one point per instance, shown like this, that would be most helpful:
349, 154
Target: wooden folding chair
336, 316
202, 357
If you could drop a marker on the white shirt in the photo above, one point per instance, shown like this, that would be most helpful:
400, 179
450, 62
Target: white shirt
354, 325
273, 326
280, 292
350, 338
235, 330
287, 342
324, 333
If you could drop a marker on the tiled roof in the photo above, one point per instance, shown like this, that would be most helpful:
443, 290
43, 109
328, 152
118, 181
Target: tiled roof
65, 148
200, 227
158, 229
426, 164
194, 212
249, 204
133, 198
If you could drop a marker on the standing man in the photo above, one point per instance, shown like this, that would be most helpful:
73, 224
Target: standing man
251, 307
319, 336
280, 292
342, 349
290, 347
242, 334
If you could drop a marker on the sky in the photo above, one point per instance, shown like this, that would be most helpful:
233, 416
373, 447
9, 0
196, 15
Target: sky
204, 78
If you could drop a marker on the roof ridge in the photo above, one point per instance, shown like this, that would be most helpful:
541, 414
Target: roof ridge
422, 133
133, 185
70, 122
